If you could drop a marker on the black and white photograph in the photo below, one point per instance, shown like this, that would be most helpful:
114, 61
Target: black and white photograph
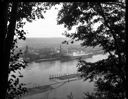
63, 50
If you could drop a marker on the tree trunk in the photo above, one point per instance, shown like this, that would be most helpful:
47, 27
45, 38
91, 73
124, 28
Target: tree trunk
7, 40
121, 73
3, 32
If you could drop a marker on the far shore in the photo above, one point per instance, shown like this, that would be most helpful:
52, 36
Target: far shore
67, 58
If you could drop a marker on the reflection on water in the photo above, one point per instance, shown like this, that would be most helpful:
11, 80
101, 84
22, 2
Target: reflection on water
97, 57
38, 74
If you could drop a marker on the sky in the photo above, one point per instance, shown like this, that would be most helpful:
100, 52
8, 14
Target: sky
45, 27
48, 27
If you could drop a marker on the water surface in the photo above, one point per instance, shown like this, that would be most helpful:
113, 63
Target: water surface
37, 74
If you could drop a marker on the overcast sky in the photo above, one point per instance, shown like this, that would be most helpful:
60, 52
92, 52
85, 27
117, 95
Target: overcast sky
45, 27
48, 27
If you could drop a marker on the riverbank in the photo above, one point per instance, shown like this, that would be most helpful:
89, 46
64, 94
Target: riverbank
45, 88
38, 89
69, 58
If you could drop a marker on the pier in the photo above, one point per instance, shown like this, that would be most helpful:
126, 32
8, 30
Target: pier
64, 76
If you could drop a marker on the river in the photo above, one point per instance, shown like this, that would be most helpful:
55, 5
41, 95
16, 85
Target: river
37, 74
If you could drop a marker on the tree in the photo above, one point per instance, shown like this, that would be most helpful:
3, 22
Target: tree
16, 63
11, 28
103, 24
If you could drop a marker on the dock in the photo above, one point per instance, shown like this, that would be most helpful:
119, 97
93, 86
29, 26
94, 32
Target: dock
64, 76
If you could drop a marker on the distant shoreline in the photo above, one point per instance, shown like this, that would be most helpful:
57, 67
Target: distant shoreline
67, 58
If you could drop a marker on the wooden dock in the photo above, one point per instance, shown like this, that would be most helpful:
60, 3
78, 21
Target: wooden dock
64, 76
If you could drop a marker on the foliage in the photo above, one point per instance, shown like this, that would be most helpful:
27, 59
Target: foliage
28, 11
102, 24
16, 64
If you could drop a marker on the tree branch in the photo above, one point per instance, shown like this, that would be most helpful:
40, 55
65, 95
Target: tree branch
112, 32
